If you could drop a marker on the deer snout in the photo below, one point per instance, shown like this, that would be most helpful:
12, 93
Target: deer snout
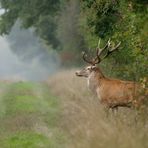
80, 74
77, 73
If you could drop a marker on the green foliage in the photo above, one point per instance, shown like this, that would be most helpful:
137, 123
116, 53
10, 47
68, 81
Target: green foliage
101, 15
68, 32
73, 25
32, 13
122, 20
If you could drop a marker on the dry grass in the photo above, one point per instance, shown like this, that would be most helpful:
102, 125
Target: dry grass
86, 123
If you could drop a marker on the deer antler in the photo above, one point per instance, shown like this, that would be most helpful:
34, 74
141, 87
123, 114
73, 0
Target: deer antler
84, 55
111, 50
99, 51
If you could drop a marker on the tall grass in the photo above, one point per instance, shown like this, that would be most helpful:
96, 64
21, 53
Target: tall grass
87, 124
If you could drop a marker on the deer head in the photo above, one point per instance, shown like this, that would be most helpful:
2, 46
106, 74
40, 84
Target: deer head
97, 59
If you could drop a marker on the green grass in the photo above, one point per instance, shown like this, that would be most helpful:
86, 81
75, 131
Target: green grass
30, 140
24, 140
29, 116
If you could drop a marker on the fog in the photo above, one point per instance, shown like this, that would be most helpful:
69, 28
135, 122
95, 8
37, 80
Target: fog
23, 56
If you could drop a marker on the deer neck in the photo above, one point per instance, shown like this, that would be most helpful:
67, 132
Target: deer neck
95, 80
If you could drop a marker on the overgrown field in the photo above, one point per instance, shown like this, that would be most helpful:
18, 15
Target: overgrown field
63, 113
86, 122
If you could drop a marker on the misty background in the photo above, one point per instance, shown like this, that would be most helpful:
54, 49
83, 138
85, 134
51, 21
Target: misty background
40, 37
24, 57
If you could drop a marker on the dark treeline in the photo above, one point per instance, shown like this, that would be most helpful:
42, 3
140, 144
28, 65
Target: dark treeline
71, 26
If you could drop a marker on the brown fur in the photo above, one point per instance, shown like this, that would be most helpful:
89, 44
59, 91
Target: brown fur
114, 93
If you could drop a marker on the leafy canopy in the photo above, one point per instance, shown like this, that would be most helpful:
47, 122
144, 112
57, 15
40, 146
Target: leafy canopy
32, 13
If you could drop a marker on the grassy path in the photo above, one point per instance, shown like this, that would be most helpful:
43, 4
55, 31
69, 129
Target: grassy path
29, 116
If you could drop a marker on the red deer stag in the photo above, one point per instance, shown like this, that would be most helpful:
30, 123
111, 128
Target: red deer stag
113, 93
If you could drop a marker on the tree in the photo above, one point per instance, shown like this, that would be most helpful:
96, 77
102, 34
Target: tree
68, 33
121, 20
71, 25
31, 13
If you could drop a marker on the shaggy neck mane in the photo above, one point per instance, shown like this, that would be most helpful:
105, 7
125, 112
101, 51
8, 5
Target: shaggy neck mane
95, 79
98, 73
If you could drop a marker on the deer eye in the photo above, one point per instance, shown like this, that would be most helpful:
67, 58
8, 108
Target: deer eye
93, 67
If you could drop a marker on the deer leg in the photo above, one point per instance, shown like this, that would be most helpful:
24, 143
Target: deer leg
115, 110
106, 109
136, 116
